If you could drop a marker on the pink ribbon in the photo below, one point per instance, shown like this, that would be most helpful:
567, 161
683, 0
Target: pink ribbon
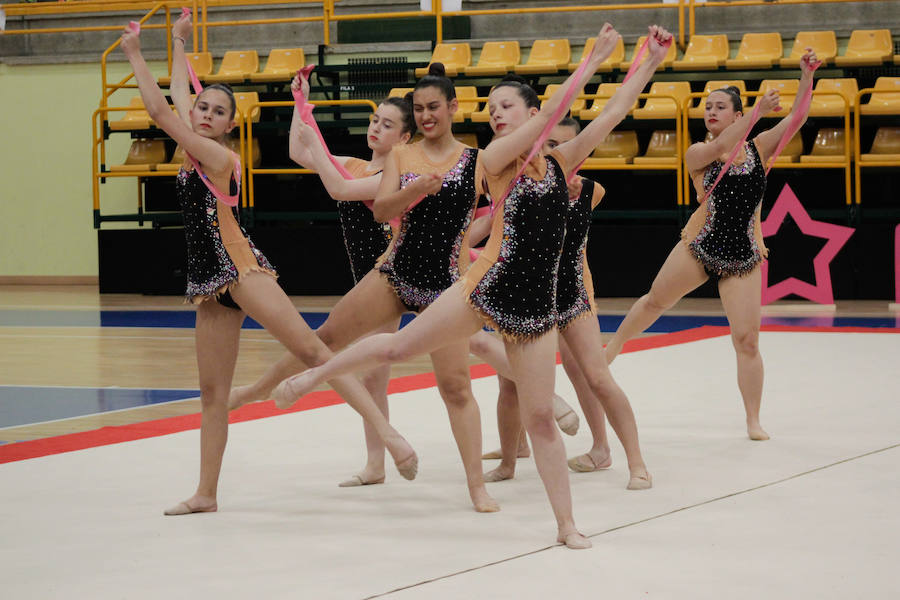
135, 27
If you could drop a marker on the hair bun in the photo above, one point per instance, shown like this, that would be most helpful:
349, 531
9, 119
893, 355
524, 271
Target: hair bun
408, 98
437, 69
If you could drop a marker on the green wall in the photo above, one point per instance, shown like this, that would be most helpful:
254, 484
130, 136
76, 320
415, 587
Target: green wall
46, 222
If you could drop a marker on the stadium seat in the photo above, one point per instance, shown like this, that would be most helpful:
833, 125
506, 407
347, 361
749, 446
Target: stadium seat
757, 51
883, 103
497, 58
597, 104
455, 58
787, 88
237, 65
578, 104
867, 47
282, 65
828, 147
135, 118
696, 111
823, 42
481, 116
399, 92
201, 62
661, 150
619, 148
546, 57
792, 151
143, 155
664, 108
611, 62
704, 52
832, 106
465, 108
234, 143
175, 163
244, 100
671, 55
885, 146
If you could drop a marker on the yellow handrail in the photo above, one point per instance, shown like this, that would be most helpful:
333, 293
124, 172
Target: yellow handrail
858, 146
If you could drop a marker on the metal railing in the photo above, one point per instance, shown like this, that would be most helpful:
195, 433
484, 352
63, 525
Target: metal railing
857, 146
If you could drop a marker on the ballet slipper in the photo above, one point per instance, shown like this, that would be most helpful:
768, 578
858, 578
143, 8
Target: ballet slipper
575, 541
408, 467
579, 465
565, 416
357, 481
283, 395
183, 508
640, 482
495, 475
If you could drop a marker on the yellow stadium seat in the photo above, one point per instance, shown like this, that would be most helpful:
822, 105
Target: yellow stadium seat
282, 65
619, 148
611, 61
234, 143
578, 104
667, 62
823, 42
399, 92
469, 139
465, 108
757, 51
696, 111
597, 104
828, 147
481, 116
662, 150
704, 52
200, 61
143, 155
883, 103
867, 47
885, 146
832, 106
455, 58
175, 163
497, 58
237, 65
244, 100
135, 118
546, 56
664, 108
792, 151
787, 89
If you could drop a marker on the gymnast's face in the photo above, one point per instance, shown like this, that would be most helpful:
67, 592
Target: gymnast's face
558, 135
508, 110
211, 114
719, 112
386, 129
433, 112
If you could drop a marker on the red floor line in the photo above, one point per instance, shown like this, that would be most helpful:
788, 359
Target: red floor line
137, 431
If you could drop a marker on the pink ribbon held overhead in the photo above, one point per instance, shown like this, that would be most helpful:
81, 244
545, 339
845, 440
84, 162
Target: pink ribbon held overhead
799, 112
135, 27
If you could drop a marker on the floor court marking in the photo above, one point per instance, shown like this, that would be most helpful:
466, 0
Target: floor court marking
638, 522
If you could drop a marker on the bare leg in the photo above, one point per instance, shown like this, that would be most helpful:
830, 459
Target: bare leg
218, 333
371, 304
583, 338
598, 456
451, 368
512, 434
262, 299
376, 383
740, 297
680, 274
534, 364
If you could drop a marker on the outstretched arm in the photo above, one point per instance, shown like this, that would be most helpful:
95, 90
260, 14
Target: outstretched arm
338, 188
767, 141
577, 149
215, 157
504, 150
178, 87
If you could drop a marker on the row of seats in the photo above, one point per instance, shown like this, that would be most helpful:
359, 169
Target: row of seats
704, 52
886, 102
240, 66
150, 155
136, 117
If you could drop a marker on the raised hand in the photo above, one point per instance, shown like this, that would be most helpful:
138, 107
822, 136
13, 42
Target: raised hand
660, 39
131, 42
299, 82
769, 102
809, 62
183, 28
606, 42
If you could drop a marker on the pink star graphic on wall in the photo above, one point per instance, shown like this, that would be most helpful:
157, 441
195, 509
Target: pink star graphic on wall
837, 236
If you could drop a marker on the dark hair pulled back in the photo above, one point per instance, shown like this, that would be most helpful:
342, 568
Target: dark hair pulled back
404, 105
437, 77
226, 89
526, 92
570, 122
735, 94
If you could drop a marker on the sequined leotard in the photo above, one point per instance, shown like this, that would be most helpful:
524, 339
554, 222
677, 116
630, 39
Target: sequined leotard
219, 252
575, 289
364, 238
724, 233
425, 256
513, 283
